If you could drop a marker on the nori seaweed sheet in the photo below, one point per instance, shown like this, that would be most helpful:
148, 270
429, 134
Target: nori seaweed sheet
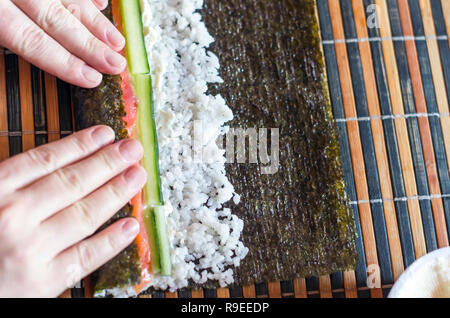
103, 105
296, 221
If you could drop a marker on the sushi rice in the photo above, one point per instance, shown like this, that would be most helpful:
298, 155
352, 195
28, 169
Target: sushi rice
204, 236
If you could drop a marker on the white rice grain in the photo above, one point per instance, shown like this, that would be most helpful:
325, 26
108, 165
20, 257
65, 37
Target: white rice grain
204, 236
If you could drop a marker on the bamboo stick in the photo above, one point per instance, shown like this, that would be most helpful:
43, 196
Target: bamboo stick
197, 293
88, 288
223, 293
249, 291
26, 104
424, 126
51, 97
446, 12
171, 294
274, 289
300, 288
436, 69
401, 131
325, 286
379, 140
350, 284
362, 191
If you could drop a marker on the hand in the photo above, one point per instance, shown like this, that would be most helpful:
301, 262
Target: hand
70, 39
53, 198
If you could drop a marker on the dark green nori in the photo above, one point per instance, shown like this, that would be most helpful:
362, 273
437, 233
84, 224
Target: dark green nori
103, 105
296, 222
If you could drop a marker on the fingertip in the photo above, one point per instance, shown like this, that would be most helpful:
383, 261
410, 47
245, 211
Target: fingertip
92, 77
131, 150
102, 135
135, 177
130, 229
101, 4
115, 39
116, 62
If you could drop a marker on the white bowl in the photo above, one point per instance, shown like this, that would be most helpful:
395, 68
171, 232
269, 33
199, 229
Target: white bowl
427, 277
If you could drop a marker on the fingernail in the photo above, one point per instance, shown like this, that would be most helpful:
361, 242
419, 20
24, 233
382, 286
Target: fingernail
90, 74
131, 150
135, 177
103, 135
101, 3
130, 228
115, 38
114, 59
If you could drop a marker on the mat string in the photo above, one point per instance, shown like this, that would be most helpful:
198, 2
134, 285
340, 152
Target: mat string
399, 199
32, 132
395, 116
391, 38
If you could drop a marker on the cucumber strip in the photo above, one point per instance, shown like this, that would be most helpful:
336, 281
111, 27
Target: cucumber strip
156, 224
134, 34
149, 220
162, 240
155, 219
146, 133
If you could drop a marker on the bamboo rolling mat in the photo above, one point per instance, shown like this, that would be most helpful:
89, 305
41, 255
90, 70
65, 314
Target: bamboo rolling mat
389, 82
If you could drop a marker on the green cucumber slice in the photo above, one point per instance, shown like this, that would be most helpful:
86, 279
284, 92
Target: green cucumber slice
146, 133
134, 35
150, 227
156, 224
162, 240
154, 215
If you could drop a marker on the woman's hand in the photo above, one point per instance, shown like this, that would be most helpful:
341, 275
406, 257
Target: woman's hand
70, 39
53, 198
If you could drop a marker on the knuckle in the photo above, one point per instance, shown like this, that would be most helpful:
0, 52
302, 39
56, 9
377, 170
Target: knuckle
75, 9
98, 19
81, 144
32, 40
112, 244
73, 64
117, 191
86, 256
44, 157
7, 224
92, 44
10, 223
7, 174
84, 217
53, 16
68, 178
109, 162
25, 255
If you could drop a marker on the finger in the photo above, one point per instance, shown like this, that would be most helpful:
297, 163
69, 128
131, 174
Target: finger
89, 255
25, 38
96, 22
65, 28
23, 169
100, 4
84, 217
72, 183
